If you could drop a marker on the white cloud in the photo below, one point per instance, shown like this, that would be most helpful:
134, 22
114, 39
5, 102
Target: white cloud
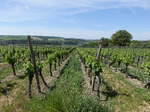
12, 11
24, 10
142, 35
84, 3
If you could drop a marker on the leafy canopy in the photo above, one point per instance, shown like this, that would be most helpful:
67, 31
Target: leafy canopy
121, 38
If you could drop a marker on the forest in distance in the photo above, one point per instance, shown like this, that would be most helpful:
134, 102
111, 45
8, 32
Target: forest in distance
53, 40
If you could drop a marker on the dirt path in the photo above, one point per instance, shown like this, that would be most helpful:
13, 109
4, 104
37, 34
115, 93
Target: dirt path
144, 108
7, 78
51, 79
3, 65
86, 85
136, 82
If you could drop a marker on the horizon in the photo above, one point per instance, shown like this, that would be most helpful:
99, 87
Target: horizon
64, 37
81, 19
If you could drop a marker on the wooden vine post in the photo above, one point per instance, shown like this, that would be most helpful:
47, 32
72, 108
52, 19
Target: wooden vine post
99, 52
34, 65
98, 57
13, 64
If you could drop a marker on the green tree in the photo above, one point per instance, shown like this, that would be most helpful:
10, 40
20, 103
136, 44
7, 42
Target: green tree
104, 42
121, 38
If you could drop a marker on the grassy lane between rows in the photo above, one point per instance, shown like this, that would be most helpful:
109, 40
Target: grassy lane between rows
17, 90
6, 70
67, 96
124, 96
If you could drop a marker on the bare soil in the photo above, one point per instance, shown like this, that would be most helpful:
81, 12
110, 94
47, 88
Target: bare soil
86, 85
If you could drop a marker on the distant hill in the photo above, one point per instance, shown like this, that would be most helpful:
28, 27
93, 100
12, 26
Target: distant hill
12, 37
22, 37
52, 40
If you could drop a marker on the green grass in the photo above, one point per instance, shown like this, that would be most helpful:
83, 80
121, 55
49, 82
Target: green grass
140, 74
12, 37
66, 97
5, 72
7, 85
8, 71
1, 59
128, 97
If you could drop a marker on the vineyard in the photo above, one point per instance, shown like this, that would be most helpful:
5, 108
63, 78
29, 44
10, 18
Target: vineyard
35, 78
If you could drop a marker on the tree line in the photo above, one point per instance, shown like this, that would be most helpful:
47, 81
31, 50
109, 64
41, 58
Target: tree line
120, 38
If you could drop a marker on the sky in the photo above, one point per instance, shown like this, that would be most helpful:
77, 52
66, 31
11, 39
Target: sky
86, 19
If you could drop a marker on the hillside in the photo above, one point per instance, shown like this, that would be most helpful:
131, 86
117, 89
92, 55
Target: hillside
23, 37
51, 40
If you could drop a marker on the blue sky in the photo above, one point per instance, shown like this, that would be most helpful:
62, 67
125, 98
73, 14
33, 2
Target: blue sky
87, 19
